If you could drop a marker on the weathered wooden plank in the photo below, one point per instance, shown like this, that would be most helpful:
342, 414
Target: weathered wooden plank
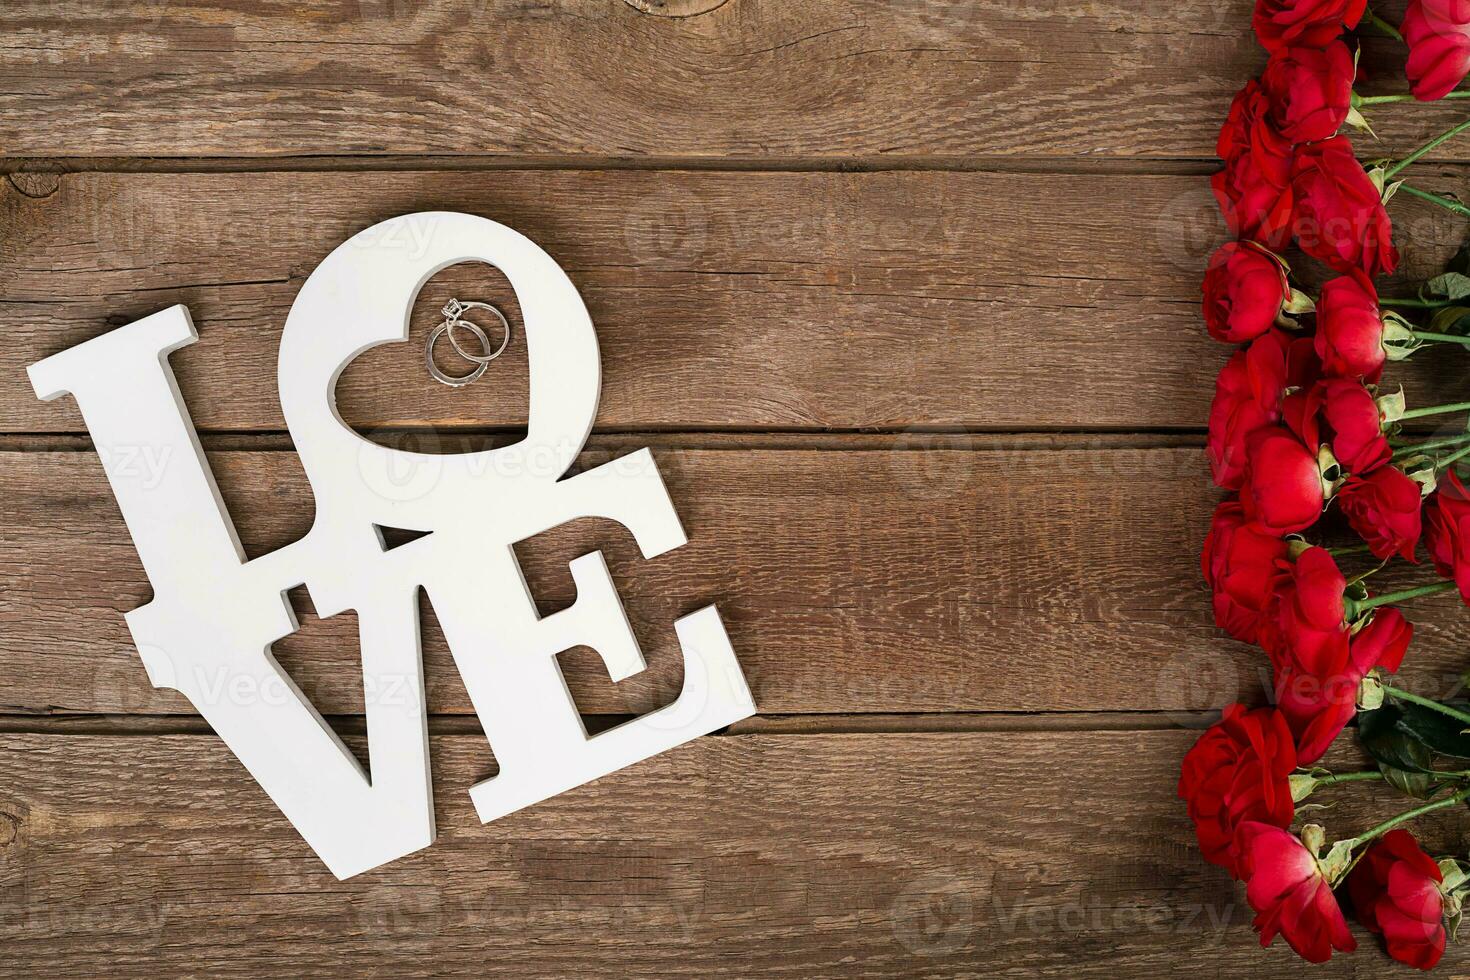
898, 580
1025, 854
759, 79
722, 299
752, 79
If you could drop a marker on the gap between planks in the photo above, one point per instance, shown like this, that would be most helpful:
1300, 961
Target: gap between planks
909, 439
1113, 166
815, 724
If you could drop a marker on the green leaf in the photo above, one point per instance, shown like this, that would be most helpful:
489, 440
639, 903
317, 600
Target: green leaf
1393, 747
1440, 732
1451, 285
1391, 733
1450, 319
1419, 785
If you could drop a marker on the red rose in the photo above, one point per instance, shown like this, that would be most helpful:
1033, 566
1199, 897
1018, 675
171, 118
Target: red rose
1395, 892
1352, 413
1310, 90
1319, 697
1438, 35
1352, 418
1290, 894
1242, 565
1350, 328
1316, 23
1308, 617
1245, 289
1248, 395
1338, 215
1238, 771
1447, 531
1283, 487
1235, 413
1254, 188
1383, 507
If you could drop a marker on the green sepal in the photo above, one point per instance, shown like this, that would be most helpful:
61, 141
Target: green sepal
1398, 337
1391, 406
1298, 303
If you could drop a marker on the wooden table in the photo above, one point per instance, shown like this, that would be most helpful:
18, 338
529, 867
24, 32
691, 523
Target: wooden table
902, 293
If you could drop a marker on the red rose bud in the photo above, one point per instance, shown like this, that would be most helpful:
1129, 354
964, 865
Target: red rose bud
1351, 330
1352, 414
1438, 35
1346, 414
1235, 413
1447, 531
1245, 291
1254, 187
1314, 23
1303, 366
1283, 489
1395, 890
1310, 90
1242, 565
1317, 688
1307, 625
1381, 644
1275, 353
1338, 215
1239, 770
1248, 397
1383, 507
1290, 894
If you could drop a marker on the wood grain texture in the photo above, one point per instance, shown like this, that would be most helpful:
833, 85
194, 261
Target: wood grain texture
905, 579
805, 300
755, 79
810, 234
676, 8
893, 855
887, 300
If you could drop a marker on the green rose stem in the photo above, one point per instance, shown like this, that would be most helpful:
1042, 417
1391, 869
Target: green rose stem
1441, 338
1451, 459
1368, 775
1405, 97
1419, 413
1403, 818
1339, 862
1357, 606
1416, 304
1447, 134
1333, 778
1346, 550
1373, 20
1406, 449
1443, 202
1430, 703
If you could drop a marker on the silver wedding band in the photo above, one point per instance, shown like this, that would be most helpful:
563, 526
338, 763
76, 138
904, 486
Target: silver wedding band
458, 320
454, 312
449, 379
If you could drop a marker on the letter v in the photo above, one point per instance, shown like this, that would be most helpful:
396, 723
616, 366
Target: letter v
208, 630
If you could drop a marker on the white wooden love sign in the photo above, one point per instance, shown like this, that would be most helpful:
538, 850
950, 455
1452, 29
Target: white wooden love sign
209, 628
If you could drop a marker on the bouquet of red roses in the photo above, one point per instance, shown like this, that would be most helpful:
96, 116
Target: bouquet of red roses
1311, 444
